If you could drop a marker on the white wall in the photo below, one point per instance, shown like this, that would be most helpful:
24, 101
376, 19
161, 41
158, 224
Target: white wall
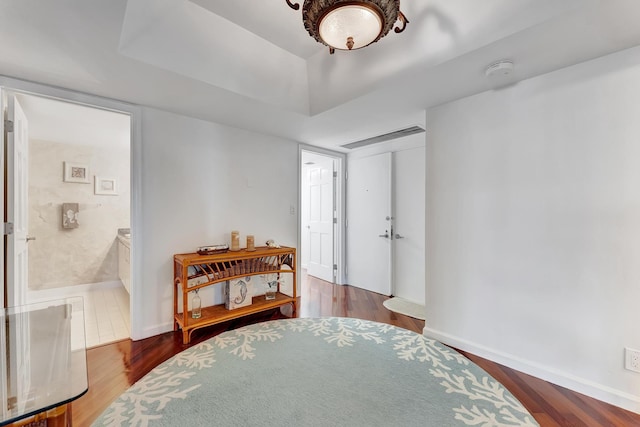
87, 254
409, 213
533, 225
200, 180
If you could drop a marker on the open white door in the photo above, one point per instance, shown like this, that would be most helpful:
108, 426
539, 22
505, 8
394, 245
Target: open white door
369, 224
4, 382
17, 378
321, 207
16, 199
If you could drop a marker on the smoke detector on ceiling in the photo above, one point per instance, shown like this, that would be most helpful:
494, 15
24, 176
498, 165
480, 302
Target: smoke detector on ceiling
500, 68
500, 73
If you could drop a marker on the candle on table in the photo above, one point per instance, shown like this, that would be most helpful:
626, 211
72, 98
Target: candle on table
235, 240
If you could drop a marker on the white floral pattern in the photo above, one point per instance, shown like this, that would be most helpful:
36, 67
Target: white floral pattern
484, 389
488, 403
146, 399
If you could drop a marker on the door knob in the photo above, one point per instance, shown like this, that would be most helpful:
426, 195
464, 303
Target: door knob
397, 236
30, 238
385, 235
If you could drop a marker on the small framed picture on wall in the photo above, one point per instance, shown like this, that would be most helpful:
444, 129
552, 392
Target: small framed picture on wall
106, 186
76, 172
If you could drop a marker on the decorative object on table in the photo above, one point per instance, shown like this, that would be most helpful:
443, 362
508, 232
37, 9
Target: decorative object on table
285, 282
196, 306
272, 243
212, 249
251, 243
235, 241
385, 376
238, 292
105, 186
348, 25
76, 172
70, 215
196, 277
271, 286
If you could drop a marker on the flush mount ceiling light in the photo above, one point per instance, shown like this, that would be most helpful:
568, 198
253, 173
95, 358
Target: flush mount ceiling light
348, 25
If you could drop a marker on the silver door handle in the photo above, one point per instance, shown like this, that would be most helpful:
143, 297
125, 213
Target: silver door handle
385, 235
397, 236
30, 238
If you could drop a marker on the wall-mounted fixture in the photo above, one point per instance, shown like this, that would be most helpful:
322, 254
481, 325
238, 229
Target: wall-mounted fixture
70, 215
348, 25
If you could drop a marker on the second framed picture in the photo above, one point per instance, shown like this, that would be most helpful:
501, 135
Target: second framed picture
106, 186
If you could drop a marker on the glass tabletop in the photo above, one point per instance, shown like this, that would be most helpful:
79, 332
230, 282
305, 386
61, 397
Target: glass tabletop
44, 357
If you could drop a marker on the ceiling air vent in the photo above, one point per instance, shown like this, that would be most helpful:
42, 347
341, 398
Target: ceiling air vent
386, 137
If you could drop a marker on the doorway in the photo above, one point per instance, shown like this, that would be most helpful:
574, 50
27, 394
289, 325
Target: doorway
386, 221
78, 212
370, 223
320, 214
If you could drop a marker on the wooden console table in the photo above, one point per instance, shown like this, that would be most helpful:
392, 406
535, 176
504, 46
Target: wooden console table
193, 271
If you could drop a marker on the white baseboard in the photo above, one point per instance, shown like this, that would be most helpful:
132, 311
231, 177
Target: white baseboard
152, 331
592, 389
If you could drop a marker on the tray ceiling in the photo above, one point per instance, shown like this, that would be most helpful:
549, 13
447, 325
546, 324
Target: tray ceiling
251, 64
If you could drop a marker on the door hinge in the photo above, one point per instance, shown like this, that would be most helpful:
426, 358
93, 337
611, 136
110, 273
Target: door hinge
335, 174
8, 228
8, 125
335, 266
335, 220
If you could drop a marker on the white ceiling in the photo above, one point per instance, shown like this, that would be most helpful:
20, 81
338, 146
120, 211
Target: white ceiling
251, 64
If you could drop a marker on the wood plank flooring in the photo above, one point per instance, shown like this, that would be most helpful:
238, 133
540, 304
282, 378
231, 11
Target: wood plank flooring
114, 367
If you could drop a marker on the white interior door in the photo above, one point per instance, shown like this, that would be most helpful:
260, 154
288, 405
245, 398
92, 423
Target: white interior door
369, 223
18, 375
17, 187
321, 210
409, 224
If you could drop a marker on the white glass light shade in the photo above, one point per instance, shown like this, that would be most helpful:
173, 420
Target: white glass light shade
359, 22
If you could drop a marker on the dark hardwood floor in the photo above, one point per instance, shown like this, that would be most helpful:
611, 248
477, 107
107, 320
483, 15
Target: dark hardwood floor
114, 367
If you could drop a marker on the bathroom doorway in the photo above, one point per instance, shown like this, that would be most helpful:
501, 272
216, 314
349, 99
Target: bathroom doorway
78, 212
